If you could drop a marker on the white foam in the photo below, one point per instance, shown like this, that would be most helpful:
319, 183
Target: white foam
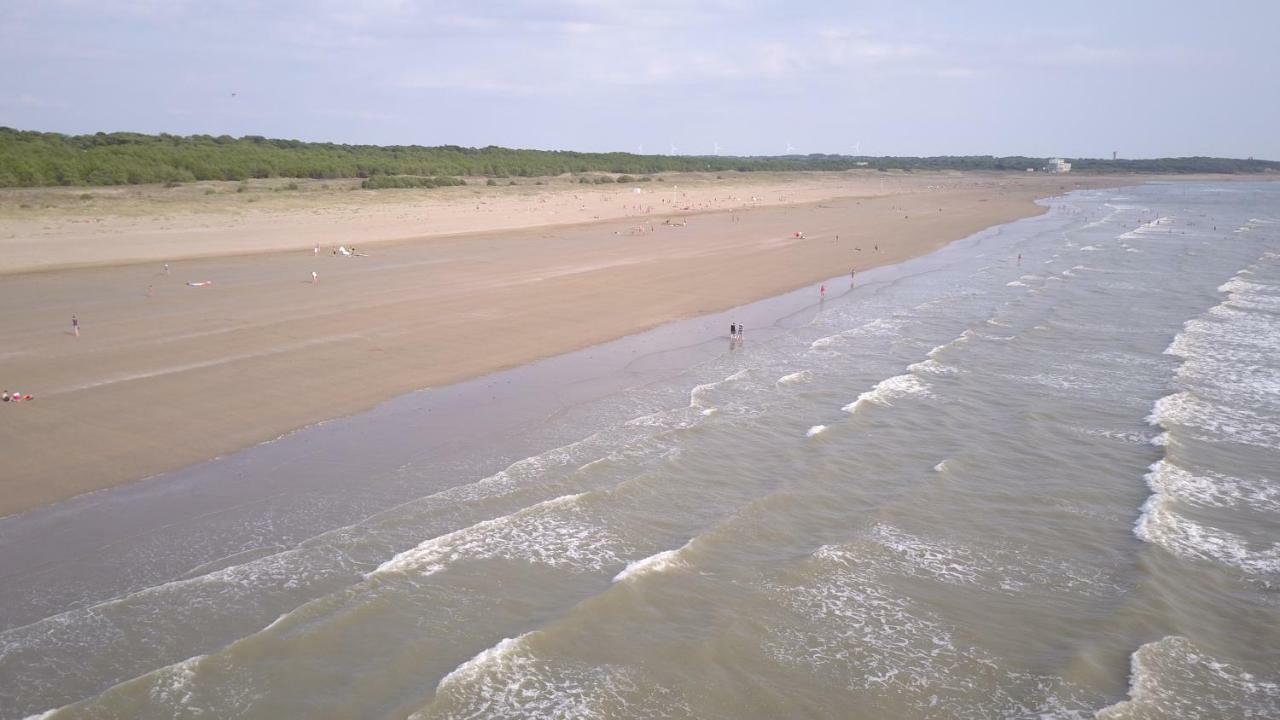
962, 338
656, 563
129, 622
1161, 524
697, 396
1173, 678
888, 390
1214, 421
795, 378
1145, 230
1211, 489
497, 655
847, 623
510, 680
172, 686
1133, 438
815, 430
932, 367
880, 327
554, 532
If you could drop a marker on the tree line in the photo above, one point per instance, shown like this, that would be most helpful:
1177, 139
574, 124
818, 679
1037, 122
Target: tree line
31, 159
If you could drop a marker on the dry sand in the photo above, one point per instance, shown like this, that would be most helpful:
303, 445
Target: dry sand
158, 381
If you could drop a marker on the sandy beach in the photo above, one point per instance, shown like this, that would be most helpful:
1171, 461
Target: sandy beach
448, 284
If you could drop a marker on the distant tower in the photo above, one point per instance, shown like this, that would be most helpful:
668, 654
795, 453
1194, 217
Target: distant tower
1113, 156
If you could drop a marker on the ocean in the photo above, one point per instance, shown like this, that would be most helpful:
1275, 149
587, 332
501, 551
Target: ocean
1033, 475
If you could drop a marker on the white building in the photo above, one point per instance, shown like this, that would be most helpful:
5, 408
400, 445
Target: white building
1057, 165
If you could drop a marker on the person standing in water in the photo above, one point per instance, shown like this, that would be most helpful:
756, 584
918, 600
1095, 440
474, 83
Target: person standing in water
733, 330
822, 291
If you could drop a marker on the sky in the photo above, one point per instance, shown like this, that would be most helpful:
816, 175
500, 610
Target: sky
730, 77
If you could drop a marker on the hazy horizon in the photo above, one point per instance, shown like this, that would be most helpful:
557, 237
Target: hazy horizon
722, 77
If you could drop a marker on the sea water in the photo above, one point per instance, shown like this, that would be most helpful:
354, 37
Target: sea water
1036, 474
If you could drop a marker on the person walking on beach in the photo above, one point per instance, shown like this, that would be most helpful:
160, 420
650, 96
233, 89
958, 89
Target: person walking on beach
166, 268
75, 326
316, 250
733, 330
822, 291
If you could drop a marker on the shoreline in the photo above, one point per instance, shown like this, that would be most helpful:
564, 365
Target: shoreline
86, 549
271, 357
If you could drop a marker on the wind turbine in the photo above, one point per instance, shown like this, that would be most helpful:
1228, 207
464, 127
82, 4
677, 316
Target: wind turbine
857, 148
674, 148
717, 147
790, 148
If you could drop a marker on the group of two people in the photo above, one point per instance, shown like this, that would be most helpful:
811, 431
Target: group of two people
735, 331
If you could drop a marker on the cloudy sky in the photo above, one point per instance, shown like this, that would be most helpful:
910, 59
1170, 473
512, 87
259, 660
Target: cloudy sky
1077, 78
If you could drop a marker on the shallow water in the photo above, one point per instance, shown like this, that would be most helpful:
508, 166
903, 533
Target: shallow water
976, 486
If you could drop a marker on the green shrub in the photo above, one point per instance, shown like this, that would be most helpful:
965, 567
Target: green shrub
491, 182
379, 182
86, 196
31, 158
625, 179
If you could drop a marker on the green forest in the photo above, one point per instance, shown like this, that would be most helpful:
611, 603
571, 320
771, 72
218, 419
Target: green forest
32, 159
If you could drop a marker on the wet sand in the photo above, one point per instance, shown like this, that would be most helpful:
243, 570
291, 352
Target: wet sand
160, 381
